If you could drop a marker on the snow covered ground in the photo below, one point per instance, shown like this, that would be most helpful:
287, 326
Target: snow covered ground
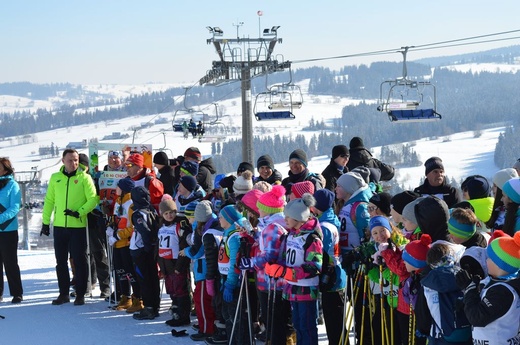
36, 321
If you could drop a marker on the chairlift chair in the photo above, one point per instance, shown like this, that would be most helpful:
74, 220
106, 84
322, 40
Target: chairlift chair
403, 99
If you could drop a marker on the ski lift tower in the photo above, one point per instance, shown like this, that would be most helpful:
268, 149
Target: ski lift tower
241, 59
24, 179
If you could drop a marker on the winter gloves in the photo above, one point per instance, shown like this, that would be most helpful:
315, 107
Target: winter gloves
465, 281
245, 264
279, 271
46, 230
228, 293
71, 213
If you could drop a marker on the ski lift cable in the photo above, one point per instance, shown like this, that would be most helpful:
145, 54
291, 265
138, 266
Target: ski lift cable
436, 45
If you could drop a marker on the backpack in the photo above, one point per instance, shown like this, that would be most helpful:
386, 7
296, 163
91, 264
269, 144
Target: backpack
454, 326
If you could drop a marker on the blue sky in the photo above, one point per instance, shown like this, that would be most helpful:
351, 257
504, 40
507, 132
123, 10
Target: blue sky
131, 42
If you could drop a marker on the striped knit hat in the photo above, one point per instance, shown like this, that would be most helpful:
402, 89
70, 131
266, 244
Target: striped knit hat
460, 230
512, 189
415, 252
230, 214
505, 253
300, 188
190, 168
189, 211
272, 201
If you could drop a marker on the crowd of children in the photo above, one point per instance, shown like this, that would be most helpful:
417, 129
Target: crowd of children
393, 269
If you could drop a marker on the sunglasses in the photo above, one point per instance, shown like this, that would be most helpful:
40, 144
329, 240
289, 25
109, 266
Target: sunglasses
129, 165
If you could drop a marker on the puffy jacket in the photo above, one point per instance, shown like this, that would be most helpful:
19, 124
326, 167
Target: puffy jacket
360, 156
332, 173
74, 191
10, 200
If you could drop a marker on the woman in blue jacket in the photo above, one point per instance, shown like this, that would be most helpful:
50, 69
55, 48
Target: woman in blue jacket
10, 200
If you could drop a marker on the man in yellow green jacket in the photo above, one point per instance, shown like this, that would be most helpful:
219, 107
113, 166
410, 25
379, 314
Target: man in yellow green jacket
71, 195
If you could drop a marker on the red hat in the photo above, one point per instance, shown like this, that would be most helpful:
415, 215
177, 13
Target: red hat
497, 234
136, 159
415, 252
301, 188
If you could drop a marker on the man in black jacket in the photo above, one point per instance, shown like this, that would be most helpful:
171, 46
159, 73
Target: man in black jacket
360, 156
336, 167
435, 183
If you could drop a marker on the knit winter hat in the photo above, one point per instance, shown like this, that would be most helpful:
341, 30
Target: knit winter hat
463, 231
351, 182
243, 183
136, 159
300, 188
340, 150
380, 221
504, 175
497, 234
263, 186
356, 142
299, 209
190, 168
505, 253
512, 189
433, 163
324, 199
415, 252
189, 182
230, 214
272, 201
399, 201
364, 172
245, 166
382, 201
265, 160
409, 210
227, 182
216, 182
194, 153
161, 158
250, 200
167, 205
126, 184
203, 211
300, 155
83, 159
189, 211
477, 187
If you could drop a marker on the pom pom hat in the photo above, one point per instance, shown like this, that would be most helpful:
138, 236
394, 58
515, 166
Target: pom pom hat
415, 252
167, 205
243, 183
505, 253
299, 209
512, 189
272, 201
